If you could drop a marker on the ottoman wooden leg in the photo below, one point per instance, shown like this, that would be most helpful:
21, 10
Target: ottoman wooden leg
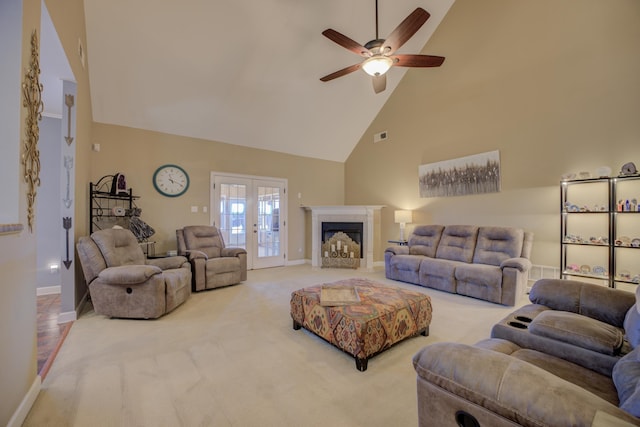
296, 325
425, 332
361, 364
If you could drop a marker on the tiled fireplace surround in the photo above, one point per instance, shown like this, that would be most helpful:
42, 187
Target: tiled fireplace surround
368, 215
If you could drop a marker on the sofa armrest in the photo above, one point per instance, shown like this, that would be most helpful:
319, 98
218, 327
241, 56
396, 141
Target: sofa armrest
230, 252
193, 255
128, 274
506, 386
169, 263
198, 272
522, 264
398, 250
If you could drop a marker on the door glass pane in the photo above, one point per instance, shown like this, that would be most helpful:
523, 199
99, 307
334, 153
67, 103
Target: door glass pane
268, 221
233, 214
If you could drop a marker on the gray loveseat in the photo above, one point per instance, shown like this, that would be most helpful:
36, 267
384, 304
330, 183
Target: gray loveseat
498, 382
490, 263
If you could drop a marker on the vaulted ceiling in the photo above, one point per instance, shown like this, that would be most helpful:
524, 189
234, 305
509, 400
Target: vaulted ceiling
244, 72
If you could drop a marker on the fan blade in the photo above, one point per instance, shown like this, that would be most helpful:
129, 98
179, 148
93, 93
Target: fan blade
346, 42
409, 60
405, 30
379, 83
340, 73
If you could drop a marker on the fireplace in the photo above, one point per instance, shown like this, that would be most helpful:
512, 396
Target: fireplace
367, 218
352, 229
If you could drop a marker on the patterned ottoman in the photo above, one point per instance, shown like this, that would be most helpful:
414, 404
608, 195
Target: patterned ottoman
384, 316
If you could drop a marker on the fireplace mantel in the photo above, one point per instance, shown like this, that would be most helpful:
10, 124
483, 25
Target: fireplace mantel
346, 213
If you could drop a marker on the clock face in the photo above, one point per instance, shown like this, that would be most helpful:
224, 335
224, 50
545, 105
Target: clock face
171, 180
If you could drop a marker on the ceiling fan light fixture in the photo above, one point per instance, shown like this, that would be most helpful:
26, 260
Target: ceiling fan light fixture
377, 65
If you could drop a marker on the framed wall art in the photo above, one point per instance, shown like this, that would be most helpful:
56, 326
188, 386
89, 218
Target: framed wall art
476, 174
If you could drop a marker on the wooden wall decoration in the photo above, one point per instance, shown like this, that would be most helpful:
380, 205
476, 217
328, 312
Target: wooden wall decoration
32, 93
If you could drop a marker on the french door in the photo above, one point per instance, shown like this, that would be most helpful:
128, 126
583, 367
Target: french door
251, 214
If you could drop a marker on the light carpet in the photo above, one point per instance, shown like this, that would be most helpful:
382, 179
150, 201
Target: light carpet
230, 357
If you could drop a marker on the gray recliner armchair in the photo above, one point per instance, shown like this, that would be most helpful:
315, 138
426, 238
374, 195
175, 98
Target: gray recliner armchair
212, 264
123, 283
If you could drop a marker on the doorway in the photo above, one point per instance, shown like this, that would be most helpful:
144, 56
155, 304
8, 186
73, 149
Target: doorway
250, 212
55, 287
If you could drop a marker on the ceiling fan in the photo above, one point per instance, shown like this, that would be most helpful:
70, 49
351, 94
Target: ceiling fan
380, 54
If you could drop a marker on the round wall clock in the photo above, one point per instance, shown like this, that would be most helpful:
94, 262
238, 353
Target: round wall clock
171, 180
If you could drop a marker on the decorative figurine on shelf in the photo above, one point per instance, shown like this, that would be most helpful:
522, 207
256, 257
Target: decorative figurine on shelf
119, 185
628, 169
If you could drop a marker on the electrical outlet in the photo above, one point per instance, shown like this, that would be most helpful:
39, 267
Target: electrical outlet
194, 209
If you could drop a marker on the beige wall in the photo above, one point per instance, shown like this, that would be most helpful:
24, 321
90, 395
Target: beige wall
554, 86
18, 356
138, 153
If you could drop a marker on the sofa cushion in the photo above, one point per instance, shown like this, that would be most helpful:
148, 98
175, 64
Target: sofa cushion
496, 244
223, 265
438, 274
626, 377
632, 326
479, 274
424, 240
599, 302
457, 243
203, 238
128, 274
406, 262
581, 331
118, 247
479, 281
597, 383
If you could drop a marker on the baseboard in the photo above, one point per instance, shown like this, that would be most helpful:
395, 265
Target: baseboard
49, 290
27, 402
83, 301
296, 262
70, 316
67, 316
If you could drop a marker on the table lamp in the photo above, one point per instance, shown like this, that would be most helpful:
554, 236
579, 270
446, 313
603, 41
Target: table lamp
403, 217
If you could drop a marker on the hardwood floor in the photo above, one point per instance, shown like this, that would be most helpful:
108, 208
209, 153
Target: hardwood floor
50, 333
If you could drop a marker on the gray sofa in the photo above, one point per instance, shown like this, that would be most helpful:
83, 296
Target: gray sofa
498, 382
490, 263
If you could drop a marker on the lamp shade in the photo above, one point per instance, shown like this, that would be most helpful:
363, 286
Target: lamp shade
403, 217
377, 65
